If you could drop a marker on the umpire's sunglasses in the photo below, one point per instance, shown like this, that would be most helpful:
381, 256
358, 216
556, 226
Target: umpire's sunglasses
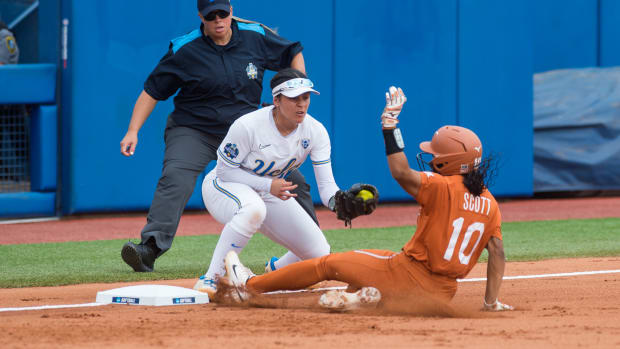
220, 13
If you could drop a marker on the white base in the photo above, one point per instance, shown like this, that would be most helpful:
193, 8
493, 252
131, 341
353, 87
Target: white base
154, 295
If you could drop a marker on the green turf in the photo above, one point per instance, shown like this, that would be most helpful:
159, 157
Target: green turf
99, 261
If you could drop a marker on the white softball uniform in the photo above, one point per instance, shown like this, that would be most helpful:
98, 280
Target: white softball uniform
237, 191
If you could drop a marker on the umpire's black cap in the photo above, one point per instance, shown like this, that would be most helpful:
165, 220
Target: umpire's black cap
206, 6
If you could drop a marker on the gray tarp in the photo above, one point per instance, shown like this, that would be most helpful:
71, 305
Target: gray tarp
577, 130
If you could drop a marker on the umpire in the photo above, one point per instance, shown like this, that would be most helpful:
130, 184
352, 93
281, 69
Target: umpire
219, 70
9, 51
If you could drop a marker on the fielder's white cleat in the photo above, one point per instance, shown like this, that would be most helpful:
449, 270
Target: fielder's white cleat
341, 300
238, 275
206, 285
496, 306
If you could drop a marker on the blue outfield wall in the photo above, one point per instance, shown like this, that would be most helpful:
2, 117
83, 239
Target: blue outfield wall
609, 33
575, 34
413, 48
112, 49
565, 34
459, 62
495, 87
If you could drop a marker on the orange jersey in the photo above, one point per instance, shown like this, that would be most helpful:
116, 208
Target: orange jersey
453, 227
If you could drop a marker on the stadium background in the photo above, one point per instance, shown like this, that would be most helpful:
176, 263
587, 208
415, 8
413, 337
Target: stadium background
463, 62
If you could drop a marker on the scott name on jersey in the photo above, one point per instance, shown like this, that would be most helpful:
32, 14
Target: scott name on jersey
476, 204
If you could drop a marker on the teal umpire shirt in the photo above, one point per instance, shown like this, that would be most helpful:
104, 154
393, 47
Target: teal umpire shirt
218, 84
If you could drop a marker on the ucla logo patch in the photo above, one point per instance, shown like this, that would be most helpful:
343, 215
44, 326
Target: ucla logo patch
251, 71
10, 44
231, 150
305, 143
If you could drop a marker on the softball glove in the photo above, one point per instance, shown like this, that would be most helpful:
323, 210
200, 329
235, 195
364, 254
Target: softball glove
360, 199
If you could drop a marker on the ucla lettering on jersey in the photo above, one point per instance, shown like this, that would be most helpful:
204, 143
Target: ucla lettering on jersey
279, 173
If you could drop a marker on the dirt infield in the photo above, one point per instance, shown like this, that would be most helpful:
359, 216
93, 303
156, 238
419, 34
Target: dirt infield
580, 311
559, 312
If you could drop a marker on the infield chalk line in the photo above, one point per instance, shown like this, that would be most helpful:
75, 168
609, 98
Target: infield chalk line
30, 220
546, 275
472, 280
44, 307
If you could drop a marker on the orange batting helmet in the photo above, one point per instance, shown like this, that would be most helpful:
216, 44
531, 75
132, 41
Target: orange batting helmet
456, 150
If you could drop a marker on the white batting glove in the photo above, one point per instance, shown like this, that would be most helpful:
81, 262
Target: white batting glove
394, 100
496, 306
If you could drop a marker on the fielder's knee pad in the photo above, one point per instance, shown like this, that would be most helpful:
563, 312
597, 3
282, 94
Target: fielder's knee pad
249, 218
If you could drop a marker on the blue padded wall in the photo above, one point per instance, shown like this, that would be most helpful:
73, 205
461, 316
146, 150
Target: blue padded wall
565, 33
34, 84
43, 148
28, 204
49, 27
609, 33
28, 84
113, 48
377, 46
495, 86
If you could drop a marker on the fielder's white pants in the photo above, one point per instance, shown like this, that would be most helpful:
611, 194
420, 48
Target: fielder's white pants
246, 211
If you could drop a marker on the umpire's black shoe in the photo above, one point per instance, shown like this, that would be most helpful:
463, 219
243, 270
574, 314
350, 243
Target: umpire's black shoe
140, 257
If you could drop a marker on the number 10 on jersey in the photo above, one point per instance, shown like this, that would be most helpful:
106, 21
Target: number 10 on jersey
457, 224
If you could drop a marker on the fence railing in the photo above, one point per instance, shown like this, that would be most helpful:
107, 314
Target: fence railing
14, 148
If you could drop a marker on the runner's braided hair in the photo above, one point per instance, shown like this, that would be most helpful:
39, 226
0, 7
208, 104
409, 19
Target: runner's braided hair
481, 177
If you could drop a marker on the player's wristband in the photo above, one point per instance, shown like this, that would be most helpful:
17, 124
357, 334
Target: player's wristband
331, 204
393, 141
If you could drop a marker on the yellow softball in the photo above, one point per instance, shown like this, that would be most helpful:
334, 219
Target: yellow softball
364, 194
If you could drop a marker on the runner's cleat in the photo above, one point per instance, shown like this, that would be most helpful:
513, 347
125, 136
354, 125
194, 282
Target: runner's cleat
342, 301
238, 275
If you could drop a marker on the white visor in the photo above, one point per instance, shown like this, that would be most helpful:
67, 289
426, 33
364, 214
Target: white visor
294, 87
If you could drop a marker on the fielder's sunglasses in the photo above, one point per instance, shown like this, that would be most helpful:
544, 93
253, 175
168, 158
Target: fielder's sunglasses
220, 13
